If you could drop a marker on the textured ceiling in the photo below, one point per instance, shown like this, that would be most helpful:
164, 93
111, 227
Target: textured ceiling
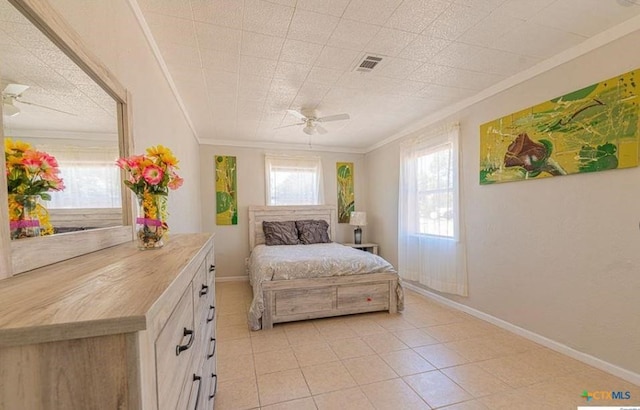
238, 65
28, 57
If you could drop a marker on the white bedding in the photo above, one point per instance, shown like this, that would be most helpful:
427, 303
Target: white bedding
285, 262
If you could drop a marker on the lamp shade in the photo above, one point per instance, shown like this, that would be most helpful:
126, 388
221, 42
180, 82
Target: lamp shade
358, 219
309, 130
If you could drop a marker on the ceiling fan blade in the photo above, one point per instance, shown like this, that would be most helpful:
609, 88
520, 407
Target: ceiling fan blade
14, 89
45, 107
321, 130
290, 125
336, 117
297, 114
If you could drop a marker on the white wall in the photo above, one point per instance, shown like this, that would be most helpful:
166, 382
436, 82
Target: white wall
232, 241
558, 256
110, 30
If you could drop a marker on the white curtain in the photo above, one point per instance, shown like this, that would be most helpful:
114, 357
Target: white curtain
293, 180
438, 260
91, 176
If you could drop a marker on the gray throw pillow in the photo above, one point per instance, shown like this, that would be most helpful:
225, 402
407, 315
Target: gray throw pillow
280, 233
313, 231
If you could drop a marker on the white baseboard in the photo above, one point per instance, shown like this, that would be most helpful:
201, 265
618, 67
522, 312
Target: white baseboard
551, 344
232, 279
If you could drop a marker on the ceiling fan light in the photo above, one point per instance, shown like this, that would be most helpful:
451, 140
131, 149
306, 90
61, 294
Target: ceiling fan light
309, 130
10, 110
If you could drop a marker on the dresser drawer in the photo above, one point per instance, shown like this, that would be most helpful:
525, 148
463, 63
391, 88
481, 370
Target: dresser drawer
204, 303
193, 392
201, 347
210, 263
210, 383
202, 293
359, 296
174, 350
198, 390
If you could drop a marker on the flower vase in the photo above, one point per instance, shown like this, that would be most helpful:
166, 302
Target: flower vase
24, 220
151, 223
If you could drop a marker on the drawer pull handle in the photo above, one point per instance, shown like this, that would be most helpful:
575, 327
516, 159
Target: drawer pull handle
215, 386
199, 380
209, 356
204, 290
212, 309
212, 268
182, 348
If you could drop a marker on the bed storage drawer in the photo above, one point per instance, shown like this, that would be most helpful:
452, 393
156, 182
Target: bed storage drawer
375, 295
301, 301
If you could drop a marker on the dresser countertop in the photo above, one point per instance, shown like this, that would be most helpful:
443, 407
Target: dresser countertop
114, 290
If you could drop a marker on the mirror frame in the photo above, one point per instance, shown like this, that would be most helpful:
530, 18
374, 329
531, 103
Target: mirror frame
31, 253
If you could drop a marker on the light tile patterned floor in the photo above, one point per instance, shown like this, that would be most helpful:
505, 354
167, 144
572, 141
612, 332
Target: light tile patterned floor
429, 356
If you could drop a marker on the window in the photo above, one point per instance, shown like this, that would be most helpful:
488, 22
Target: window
293, 180
91, 177
434, 174
431, 240
88, 185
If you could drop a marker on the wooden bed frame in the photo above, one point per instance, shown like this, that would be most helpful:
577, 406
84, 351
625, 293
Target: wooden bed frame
301, 299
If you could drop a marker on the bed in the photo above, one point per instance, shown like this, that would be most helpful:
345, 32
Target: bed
299, 282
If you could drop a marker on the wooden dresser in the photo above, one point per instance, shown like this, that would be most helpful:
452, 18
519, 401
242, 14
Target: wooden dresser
115, 329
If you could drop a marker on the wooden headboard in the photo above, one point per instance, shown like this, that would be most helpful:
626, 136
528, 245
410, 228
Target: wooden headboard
257, 214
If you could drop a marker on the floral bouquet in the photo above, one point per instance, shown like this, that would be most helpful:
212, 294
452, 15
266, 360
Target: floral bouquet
30, 175
150, 177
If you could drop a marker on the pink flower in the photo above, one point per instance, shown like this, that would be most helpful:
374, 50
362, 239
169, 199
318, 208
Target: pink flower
176, 182
32, 160
134, 161
49, 174
122, 163
153, 174
30, 171
57, 184
48, 161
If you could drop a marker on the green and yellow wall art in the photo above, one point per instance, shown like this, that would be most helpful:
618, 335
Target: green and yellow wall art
226, 191
588, 130
346, 199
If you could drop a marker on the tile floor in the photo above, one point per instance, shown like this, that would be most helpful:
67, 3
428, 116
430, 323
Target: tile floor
428, 357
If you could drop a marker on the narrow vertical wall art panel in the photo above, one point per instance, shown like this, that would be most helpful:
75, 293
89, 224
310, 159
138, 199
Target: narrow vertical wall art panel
588, 130
226, 191
346, 199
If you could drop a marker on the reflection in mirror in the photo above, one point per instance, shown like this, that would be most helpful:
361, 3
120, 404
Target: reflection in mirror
50, 103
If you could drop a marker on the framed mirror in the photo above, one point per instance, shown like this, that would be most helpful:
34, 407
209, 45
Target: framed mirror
61, 100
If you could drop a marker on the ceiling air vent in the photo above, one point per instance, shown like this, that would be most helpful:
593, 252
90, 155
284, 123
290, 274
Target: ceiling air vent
368, 63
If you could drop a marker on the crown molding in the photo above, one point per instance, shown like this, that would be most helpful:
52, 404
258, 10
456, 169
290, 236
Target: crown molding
137, 11
281, 146
591, 44
585, 47
60, 134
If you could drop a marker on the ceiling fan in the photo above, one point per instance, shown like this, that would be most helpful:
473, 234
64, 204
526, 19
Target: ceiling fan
12, 94
312, 122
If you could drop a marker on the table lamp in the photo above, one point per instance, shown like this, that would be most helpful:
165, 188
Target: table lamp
358, 219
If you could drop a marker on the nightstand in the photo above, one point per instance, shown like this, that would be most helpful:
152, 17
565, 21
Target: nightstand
369, 247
